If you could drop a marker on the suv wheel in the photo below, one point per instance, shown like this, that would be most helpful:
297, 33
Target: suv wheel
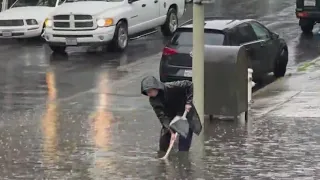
171, 24
306, 25
280, 65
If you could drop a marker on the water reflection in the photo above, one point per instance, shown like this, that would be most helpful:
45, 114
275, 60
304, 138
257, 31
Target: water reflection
224, 143
101, 119
308, 47
29, 58
49, 121
239, 9
179, 167
8, 86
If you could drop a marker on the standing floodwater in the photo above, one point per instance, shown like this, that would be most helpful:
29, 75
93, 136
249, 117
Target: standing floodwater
81, 116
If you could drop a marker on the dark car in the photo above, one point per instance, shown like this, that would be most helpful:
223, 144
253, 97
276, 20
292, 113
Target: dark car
266, 51
308, 14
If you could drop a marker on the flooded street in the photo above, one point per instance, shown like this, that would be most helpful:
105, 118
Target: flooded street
81, 115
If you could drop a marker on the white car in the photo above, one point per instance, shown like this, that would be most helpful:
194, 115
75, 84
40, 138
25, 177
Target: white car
25, 18
111, 22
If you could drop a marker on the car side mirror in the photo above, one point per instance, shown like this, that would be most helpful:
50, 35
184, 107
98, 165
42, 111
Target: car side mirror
275, 36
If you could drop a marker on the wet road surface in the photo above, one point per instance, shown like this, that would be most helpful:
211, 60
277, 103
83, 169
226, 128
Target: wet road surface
81, 115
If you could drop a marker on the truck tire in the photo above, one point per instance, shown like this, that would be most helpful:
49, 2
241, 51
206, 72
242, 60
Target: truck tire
306, 25
171, 23
58, 49
280, 65
120, 38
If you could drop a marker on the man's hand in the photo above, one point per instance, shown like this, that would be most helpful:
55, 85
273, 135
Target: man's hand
188, 107
173, 136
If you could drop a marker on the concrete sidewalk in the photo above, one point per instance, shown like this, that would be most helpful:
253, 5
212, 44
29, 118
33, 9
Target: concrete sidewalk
296, 95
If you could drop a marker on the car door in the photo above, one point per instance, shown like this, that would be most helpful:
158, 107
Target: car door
150, 12
153, 10
243, 34
269, 46
136, 16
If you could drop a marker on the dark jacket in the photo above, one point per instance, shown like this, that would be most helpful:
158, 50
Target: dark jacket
171, 100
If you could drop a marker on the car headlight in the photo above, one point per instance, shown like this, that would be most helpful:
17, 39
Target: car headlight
32, 22
48, 23
105, 22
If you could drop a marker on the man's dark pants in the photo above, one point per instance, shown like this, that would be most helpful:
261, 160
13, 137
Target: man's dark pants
165, 136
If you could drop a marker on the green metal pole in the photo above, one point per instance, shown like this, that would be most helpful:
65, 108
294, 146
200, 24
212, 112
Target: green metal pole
198, 59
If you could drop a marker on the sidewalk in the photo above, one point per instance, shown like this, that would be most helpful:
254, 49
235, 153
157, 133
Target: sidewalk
296, 95
285, 129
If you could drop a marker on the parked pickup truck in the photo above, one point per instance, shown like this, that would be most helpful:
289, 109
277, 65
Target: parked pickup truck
308, 11
111, 22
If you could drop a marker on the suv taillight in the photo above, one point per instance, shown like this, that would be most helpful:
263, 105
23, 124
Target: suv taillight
302, 14
169, 51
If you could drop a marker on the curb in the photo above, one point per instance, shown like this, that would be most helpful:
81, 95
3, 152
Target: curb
267, 86
313, 61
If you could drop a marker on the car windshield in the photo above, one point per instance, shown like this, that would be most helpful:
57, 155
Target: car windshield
23, 3
185, 38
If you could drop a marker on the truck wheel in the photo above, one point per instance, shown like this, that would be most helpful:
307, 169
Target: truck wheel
58, 49
171, 24
306, 25
120, 38
280, 65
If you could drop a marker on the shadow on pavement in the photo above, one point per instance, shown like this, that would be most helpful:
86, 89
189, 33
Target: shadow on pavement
92, 59
56, 57
24, 41
266, 80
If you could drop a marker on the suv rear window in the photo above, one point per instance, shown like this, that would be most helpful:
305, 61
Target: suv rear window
184, 37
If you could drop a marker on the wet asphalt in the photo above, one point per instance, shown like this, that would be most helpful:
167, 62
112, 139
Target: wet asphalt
81, 115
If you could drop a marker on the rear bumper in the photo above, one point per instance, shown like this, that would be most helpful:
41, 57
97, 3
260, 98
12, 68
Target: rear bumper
170, 73
308, 13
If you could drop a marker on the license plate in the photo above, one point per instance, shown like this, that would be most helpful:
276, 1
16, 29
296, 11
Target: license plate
6, 34
187, 73
71, 41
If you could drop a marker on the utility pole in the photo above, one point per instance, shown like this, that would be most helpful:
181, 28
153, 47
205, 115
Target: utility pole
198, 58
